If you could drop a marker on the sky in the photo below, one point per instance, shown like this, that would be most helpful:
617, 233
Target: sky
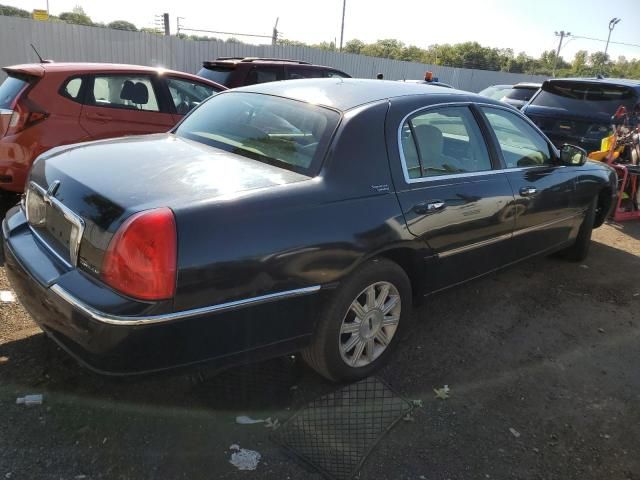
527, 26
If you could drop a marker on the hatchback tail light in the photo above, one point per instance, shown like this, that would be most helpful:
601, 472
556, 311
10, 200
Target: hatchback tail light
23, 115
140, 261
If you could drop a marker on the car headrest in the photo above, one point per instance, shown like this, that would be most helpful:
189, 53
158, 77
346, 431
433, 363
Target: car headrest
140, 94
127, 90
429, 139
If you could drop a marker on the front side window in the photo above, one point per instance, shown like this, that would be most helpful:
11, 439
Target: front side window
520, 143
443, 141
124, 91
187, 94
279, 131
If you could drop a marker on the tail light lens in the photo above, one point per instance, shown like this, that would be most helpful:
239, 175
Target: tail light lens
141, 258
24, 116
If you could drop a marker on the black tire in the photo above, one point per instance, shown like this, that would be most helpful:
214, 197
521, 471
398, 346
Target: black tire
324, 353
580, 249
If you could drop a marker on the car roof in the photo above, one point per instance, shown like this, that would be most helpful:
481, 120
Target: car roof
624, 82
39, 69
347, 93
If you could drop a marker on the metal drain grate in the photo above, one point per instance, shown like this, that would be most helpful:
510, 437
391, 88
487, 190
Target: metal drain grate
336, 432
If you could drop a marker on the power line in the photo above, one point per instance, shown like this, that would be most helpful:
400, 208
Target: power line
604, 41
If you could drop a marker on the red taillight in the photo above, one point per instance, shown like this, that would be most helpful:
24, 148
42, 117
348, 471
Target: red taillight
141, 258
24, 116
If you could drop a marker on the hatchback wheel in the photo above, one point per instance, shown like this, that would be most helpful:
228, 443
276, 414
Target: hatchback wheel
360, 325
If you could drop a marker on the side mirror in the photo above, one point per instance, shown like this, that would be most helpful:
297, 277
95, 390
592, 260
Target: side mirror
572, 155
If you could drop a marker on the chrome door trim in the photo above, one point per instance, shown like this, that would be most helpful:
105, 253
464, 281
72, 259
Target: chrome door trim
473, 246
128, 320
533, 228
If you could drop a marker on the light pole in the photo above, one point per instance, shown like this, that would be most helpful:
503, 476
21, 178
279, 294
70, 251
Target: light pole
344, 7
612, 24
560, 34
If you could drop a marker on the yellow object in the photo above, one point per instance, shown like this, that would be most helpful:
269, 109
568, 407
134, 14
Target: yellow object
606, 142
40, 15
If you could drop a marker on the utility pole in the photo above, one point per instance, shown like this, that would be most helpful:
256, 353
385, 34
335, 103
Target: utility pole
612, 24
165, 20
560, 34
274, 36
178, 25
344, 7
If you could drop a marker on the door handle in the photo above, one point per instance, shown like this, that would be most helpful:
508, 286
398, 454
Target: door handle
528, 191
431, 206
99, 116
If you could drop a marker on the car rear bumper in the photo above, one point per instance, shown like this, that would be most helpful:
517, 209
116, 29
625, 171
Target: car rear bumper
132, 339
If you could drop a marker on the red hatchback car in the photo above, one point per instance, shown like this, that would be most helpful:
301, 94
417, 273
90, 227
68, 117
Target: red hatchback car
45, 105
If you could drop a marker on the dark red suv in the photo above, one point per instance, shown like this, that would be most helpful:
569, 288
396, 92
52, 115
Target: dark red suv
45, 105
239, 71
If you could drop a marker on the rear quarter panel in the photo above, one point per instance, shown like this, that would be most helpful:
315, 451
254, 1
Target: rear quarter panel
313, 232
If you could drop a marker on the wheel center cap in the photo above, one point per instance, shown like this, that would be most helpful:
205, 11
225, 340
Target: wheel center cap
371, 324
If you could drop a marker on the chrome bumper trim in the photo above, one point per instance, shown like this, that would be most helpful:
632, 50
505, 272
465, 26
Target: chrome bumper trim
184, 314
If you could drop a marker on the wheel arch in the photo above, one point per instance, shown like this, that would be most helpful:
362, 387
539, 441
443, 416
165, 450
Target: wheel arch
603, 206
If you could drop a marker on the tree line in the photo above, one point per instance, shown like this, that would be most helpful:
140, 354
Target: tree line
463, 55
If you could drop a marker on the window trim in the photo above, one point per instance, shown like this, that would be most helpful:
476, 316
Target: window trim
156, 84
481, 126
491, 141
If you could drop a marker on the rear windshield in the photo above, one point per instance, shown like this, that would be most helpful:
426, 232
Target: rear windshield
279, 131
496, 92
584, 97
9, 90
216, 74
521, 93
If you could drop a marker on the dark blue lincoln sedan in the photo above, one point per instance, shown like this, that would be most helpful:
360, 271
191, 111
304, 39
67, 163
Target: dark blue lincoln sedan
299, 216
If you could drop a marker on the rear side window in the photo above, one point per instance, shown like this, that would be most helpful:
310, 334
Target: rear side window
264, 75
187, 94
295, 73
216, 74
124, 91
586, 98
9, 90
71, 89
443, 141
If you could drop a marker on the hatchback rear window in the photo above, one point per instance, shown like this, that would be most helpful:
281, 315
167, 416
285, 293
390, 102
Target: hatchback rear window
216, 74
586, 98
279, 131
9, 90
521, 93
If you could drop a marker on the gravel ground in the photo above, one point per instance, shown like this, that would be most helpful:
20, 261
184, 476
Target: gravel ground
541, 359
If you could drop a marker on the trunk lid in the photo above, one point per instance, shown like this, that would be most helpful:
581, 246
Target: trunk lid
102, 183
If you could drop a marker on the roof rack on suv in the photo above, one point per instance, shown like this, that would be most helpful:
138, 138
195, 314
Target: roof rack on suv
253, 59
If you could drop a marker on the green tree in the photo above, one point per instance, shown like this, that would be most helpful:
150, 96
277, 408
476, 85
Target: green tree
354, 46
579, 64
77, 16
386, 48
598, 61
14, 12
291, 43
122, 25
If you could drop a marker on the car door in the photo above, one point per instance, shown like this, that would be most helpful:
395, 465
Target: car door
124, 104
186, 94
542, 187
451, 192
